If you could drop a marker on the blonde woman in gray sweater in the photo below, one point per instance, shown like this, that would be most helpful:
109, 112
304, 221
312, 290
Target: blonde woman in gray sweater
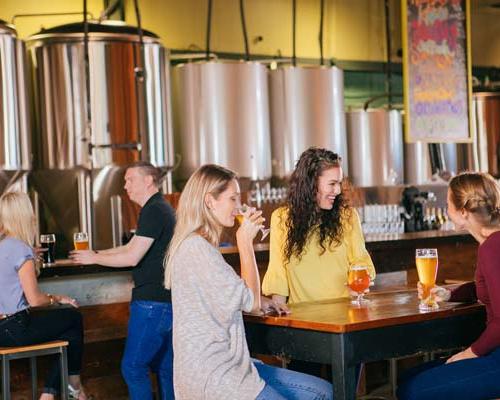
211, 357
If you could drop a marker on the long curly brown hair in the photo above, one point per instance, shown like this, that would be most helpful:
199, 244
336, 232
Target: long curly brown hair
304, 215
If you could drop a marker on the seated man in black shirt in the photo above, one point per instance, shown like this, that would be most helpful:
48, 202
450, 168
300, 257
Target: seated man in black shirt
149, 340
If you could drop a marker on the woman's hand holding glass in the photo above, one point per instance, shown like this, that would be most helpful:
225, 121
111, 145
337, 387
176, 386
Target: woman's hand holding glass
250, 220
243, 211
438, 293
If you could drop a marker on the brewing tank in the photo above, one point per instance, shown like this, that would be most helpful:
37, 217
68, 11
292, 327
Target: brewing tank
375, 141
89, 127
486, 126
221, 116
418, 167
129, 101
306, 109
15, 124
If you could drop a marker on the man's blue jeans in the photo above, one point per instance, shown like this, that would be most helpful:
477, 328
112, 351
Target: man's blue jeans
472, 379
285, 384
149, 346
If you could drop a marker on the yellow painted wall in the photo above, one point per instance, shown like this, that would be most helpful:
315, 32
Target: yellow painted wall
28, 26
485, 36
354, 29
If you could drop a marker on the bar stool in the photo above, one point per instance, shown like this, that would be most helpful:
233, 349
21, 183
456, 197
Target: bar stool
31, 352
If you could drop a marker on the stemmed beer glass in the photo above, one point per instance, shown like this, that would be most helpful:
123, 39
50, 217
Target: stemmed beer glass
358, 281
239, 217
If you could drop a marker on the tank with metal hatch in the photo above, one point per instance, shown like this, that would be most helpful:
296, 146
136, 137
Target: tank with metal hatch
307, 109
221, 115
90, 126
15, 124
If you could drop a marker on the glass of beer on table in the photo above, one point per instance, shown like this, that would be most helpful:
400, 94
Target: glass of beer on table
358, 281
48, 244
81, 241
427, 267
240, 217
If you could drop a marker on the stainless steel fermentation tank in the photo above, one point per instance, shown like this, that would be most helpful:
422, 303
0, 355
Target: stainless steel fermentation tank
80, 162
486, 124
221, 114
15, 126
307, 109
375, 139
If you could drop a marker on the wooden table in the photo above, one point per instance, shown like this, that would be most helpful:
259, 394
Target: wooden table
338, 333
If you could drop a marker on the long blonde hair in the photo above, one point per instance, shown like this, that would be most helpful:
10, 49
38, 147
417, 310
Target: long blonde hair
17, 218
193, 214
479, 194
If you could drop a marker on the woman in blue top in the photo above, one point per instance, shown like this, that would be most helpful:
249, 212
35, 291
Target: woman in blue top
20, 324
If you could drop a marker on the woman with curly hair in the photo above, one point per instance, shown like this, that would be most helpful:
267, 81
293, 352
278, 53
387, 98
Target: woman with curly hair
316, 236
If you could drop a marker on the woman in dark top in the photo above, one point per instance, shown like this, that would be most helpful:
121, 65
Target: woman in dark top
474, 373
20, 324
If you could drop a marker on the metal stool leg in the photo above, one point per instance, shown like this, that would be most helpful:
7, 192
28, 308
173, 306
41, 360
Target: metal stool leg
64, 373
5, 378
34, 378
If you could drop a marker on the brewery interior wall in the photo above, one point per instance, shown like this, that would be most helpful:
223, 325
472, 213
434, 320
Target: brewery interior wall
354, 29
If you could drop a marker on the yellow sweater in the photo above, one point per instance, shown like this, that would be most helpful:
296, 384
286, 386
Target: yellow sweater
316, 276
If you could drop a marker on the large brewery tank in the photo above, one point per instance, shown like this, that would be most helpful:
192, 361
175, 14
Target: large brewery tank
486, 125
90, 126
375, 140
15, 128
307, 109
221, 114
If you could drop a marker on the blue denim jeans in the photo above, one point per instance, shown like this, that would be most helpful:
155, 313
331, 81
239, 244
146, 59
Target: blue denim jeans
285, 384
149, 346
472, 379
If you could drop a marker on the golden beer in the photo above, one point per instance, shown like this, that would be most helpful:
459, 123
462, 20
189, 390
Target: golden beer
81, 245
239, 218
81, 241
427, 271
427, 267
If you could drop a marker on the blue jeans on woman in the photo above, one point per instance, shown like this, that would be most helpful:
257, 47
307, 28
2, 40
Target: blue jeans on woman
471, 379
285, 384
149, 346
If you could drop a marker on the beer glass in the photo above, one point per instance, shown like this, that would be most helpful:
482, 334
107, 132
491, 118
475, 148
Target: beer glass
48, 243
358, 281
240, 217
81, 241
427, 267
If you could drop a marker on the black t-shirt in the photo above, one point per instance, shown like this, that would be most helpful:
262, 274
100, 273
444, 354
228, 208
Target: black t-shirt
156, 221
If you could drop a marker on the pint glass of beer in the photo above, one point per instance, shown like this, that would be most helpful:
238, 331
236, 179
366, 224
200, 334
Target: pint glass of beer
81, 241
48, 243
427, 267
358, 281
